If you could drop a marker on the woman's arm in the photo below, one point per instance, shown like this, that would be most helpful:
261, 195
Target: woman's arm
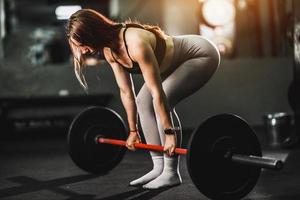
127, 93
142, 52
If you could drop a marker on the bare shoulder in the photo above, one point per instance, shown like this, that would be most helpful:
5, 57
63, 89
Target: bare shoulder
138, 37
107, 55
138, 41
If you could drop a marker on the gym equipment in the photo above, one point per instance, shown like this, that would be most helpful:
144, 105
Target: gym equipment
224, 158
83, 149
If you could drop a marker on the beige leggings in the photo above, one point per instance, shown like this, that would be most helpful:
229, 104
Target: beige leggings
195, 61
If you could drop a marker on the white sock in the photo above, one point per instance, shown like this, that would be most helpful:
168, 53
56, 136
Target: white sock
169, 177
158, 165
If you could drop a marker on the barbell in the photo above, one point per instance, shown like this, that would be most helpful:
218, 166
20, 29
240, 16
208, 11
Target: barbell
224, 158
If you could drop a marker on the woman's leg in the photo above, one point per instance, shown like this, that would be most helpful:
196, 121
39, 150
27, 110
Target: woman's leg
170, 175
151, 128
151, 134
189, 77
185, 80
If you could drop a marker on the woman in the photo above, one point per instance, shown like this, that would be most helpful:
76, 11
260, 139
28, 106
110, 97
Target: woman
173, 68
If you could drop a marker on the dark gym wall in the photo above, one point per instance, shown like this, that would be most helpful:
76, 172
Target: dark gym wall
2, 32
249, 87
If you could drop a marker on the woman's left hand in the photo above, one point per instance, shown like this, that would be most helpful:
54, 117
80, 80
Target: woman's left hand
170, 144
133, 138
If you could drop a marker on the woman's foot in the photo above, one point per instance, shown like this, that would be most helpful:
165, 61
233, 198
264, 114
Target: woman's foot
158, 165
166, 179
170, 175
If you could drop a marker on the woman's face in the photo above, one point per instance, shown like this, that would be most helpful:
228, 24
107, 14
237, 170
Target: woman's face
84, 49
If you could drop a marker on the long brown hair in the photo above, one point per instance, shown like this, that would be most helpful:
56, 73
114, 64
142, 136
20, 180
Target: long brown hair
91, 28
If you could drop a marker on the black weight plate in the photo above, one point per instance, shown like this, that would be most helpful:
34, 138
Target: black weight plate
86, 153
213, 175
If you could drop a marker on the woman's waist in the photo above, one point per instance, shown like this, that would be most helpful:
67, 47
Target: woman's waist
192, 46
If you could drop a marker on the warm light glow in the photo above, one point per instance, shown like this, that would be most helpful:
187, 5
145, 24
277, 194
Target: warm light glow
64, 12
242, 4
225, 45
218, 12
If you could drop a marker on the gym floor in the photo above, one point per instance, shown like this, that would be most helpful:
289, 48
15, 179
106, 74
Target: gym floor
40, 168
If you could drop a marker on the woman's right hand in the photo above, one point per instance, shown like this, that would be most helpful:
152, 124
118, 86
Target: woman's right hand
133, 138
